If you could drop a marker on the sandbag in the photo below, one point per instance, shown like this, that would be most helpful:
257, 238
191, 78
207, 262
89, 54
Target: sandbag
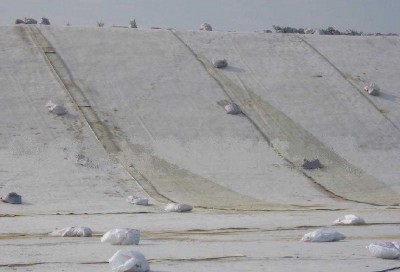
12, 198
385, 250
206, 27
232, 108
132, 24
55, 108
349, 219
72, 232
372, 89
45, 21
309, 165
219, 63
126, 260
323, 235
30, 21
138, 200
172, 207
121, 237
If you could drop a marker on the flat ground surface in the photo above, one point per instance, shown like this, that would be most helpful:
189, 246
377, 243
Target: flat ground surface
145, 108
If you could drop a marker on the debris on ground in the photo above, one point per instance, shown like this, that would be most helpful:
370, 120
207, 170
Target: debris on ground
319, 32
385, 250
323, 235
82, 160
328, 31
279, 29
309, 31
121, 237
172, 207
313, 164
85, 161
219, 63
372, 89
349, 219
138, 200
45, 21
331, 31
72, 232
206, 27
12, 198
126, 260
232, 108
223, 102
55, 108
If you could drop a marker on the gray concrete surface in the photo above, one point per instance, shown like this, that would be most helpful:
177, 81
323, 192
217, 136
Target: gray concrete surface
145, 107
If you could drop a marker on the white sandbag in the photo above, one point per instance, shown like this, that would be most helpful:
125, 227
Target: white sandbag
385, 250
172, 207
126, 260
372, 89
322, 235
72, 232
55, 108
232, 108
349, 219
219, 63
121, 237
206, 27
138, 200
50, 104
12, 198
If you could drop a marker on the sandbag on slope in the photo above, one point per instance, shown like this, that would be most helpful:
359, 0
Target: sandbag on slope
289, 138
12, 198
159, 173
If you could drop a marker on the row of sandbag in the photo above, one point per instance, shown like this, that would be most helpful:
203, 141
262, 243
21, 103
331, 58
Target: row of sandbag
124, 259
384, 250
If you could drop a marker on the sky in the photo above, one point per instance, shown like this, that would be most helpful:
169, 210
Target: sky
369, 16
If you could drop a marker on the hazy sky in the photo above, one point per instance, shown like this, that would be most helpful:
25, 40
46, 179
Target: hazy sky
236, 15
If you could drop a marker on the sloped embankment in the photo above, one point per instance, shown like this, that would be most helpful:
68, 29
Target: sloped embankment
151, 98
